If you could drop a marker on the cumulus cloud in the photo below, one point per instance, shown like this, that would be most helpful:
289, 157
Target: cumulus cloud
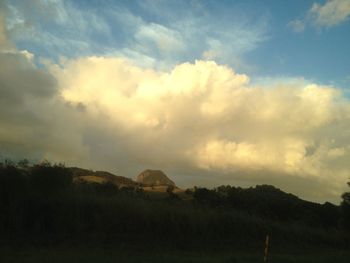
31, 112
206, 117
330, 14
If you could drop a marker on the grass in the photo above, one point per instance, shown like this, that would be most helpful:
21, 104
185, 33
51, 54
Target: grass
157, 255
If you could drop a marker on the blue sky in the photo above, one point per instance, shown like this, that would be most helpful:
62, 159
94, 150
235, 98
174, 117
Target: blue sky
320, 54
253, 37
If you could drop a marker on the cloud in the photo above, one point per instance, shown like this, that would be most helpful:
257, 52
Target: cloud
332, 13
32, 112
157, 34
164, 38
188, 32
4, 41
199, 122
297, 25
32, 115
207, 119
55, 28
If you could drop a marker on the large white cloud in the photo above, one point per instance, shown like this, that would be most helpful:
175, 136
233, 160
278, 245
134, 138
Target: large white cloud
206, 117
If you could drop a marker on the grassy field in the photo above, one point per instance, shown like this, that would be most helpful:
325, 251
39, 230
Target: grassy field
110, 255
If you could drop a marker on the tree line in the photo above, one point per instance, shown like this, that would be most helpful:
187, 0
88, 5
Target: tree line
42, 203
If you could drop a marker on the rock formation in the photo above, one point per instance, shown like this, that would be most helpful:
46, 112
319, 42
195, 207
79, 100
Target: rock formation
154, 178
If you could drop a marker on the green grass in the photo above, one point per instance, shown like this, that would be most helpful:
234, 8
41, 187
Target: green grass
112, 255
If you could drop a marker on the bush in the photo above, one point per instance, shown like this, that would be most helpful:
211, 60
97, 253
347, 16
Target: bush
50, 179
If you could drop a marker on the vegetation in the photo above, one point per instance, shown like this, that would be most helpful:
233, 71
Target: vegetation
345, 208
122, 254
42, 205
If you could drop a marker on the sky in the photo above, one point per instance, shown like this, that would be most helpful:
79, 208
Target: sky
211, 92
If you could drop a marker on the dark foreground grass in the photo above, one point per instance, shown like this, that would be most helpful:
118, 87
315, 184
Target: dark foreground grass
112, 255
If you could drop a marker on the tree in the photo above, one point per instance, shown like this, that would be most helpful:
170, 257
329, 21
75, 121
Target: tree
206, 196
170, 189
50, 179
13, 184
24, 163
345, 207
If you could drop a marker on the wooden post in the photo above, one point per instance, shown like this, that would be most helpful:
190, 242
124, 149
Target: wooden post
266, 251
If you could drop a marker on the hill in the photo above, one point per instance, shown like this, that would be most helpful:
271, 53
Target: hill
83, 175
51, 203
267, 201
263, 200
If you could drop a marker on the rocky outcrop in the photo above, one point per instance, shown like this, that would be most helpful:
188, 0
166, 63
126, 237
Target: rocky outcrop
146, 178
154, 178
